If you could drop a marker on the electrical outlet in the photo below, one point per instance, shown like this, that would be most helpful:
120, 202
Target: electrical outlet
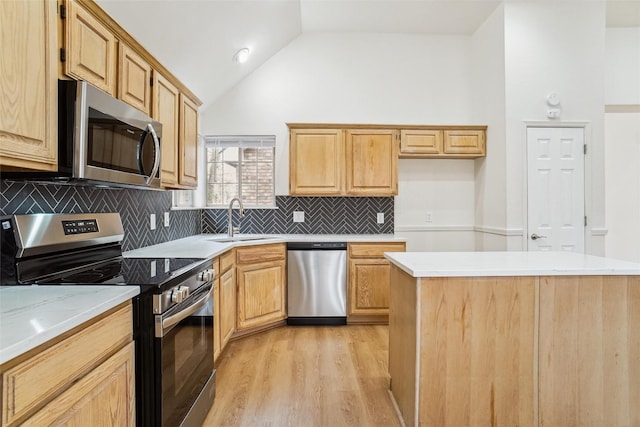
429, 216
298, 216
166, 219
380, 218
152, 221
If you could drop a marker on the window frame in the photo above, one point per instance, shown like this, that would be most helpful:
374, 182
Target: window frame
240, 142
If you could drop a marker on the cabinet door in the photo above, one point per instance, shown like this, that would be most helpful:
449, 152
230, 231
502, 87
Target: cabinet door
106, 393
134, 79
188, 142
372, 162
316, 162
369, 281
166, 110
470, 143
261, 294
217, 342
91, 49
227, 306
420, 142
29, 85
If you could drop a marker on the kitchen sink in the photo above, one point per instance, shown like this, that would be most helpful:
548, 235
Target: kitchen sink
239, 238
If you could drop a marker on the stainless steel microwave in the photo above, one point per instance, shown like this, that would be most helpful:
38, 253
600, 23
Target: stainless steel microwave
102, 140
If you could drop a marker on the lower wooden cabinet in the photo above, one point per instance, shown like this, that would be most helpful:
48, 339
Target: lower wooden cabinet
262, 291
83, 379
369, 280
217, 342
227, 304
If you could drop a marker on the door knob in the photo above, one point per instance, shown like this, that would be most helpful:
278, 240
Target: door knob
535, 236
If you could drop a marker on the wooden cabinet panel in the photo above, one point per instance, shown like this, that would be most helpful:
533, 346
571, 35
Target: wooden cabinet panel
217, 341
370, 295
468, 142
104, 396
90, 49
374, 250
589, 351
261, 294
188, 142
421, 141
476, 350
316, 158
38, 378
227, 261
166, 110
261, 253
227, 306
372, 162
29, 85
134, 79
369, 279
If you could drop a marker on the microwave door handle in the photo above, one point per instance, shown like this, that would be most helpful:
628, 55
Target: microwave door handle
141, 141
156, 160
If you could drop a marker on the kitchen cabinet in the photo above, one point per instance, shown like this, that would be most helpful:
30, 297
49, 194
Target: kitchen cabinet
29, 86
369, 281
81, 378
227, 297
188, 143
134, 79
261, 286
372, 162
217, 342
90, 48
330, 160
166, 110
316, 162
443, 142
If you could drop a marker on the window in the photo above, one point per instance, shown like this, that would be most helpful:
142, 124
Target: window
240, 166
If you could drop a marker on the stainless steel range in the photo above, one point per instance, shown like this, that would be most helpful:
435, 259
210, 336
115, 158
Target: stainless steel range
175, 376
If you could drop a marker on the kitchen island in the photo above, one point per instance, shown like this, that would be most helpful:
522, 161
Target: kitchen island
514, 338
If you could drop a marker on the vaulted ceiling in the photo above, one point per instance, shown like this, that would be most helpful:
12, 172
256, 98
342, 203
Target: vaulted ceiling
197, 39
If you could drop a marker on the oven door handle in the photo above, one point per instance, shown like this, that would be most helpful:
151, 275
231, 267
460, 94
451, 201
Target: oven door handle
178, 317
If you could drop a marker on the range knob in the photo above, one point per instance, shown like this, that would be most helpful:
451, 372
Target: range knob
206, 275
179, 294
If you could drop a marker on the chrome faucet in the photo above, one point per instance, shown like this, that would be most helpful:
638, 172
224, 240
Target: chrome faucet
231, 229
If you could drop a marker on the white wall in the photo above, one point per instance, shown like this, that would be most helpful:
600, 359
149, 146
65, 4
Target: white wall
366, 78
623, 186
555, 47
622, 78
488, 107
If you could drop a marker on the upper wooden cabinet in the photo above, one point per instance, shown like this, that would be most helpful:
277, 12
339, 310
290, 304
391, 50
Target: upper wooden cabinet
28, 84
166, 110
316, 159
329, 160
444, 142
134, 79
97, 49
372, 162
188, 171
90, 49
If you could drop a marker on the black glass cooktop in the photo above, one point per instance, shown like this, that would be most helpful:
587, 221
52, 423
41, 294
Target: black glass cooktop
145, 272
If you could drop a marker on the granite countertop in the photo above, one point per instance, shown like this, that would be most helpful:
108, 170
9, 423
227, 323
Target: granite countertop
205, 246
32, 315
470, 264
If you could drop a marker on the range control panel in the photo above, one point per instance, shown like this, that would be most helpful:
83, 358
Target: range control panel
80, 226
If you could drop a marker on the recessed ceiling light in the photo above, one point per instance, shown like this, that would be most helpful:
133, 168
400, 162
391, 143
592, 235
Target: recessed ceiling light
242, 55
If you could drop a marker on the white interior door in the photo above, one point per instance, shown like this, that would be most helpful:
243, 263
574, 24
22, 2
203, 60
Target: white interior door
555, 217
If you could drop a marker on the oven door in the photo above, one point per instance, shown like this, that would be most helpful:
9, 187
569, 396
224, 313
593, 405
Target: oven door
184, 347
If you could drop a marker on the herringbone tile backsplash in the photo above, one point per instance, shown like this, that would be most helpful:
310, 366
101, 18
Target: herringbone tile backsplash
323, 215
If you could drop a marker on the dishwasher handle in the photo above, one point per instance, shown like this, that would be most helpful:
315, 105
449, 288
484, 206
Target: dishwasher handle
317, 246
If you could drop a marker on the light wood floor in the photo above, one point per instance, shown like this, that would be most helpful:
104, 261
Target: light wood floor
305, 376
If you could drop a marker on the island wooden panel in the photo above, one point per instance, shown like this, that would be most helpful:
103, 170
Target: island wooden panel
590, 351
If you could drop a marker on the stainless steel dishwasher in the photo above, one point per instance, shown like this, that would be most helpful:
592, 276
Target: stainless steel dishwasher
317, 283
